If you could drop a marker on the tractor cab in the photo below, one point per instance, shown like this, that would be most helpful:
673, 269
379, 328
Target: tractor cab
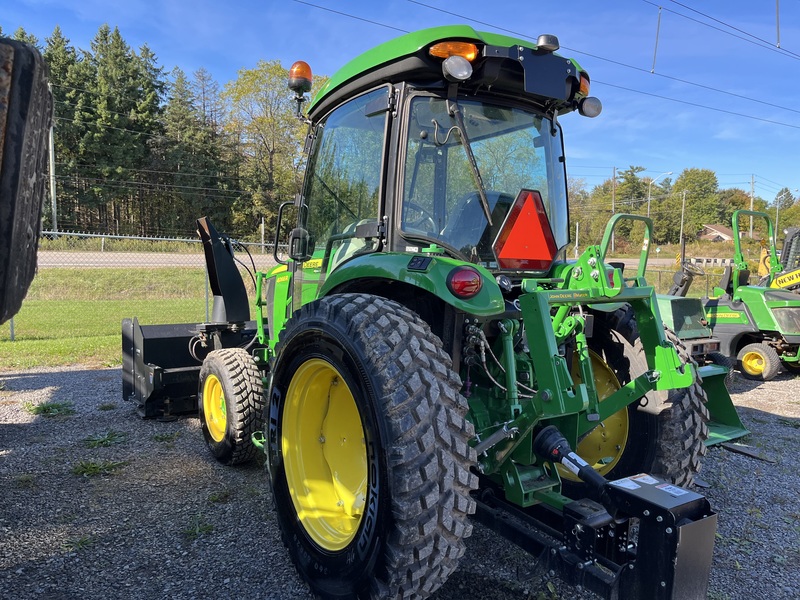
488, 187
449, 147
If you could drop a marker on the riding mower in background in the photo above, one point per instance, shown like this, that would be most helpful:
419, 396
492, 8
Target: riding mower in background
757, 325
789, 276
426, 352
686, 317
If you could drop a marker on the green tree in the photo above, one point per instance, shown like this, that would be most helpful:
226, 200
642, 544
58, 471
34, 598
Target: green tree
71, 77
114, 147
23, 36
270, 138
60, 58
784, 200
591, 209
702, 199
731, 200
209, 100
189, 161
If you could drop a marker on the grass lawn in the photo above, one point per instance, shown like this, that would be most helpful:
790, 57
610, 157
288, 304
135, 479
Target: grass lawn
73, 316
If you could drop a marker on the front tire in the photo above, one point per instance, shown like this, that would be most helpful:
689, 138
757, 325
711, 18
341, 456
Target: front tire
758, 362
373, 498
231, 404
669, 444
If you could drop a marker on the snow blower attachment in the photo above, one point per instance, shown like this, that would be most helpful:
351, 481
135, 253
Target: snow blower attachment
161, 363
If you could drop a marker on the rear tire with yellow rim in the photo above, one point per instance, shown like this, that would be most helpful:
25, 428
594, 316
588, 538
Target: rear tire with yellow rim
368, 454
758, 362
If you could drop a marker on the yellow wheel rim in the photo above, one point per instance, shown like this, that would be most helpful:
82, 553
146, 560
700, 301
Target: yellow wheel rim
325, 455
753, 363
214, 411
603, 446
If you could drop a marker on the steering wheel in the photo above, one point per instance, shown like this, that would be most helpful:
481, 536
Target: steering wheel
424, 223
693, 269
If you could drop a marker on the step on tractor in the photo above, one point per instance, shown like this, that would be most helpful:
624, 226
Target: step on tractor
424, 352
757, 325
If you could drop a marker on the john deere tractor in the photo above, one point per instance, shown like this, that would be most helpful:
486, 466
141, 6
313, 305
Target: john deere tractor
425, 351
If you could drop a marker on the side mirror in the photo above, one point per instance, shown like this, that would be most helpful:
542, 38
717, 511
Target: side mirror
299, 245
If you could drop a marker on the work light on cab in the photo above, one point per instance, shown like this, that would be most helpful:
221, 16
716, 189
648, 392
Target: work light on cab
464, 282
456, 68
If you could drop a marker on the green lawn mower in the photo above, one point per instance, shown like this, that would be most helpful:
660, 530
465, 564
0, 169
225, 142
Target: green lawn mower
758, 325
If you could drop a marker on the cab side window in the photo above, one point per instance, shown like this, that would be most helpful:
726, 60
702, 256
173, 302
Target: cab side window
342, 189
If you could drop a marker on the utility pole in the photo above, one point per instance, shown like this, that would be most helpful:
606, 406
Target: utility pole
613, 199
683, 211
752, 194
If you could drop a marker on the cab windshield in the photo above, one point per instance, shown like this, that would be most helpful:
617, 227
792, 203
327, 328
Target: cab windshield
514, 150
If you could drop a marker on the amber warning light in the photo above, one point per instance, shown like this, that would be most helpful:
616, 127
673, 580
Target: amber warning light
525, 240
300, 77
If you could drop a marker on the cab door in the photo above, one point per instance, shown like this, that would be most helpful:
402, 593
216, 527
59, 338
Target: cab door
343, 190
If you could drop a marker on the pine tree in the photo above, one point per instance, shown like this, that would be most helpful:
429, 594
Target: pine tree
23, 36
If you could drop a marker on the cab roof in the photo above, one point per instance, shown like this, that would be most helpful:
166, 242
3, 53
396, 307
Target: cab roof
404, 58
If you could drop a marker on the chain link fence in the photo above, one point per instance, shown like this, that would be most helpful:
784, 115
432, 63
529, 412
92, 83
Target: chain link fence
87, 283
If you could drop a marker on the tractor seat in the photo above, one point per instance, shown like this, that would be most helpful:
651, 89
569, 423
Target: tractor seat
726, 282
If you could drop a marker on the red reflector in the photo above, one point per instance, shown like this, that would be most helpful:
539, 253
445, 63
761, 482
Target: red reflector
525, 240
464, 282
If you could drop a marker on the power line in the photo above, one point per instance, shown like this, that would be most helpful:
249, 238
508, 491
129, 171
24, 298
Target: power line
696, 105
182, 173
768, 44
336, 12
769, 47
105, 183
614, 62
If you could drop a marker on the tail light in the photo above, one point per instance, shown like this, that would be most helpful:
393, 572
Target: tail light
464, 282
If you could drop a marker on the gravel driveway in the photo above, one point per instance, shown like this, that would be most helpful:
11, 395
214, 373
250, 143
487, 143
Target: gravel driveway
162, 519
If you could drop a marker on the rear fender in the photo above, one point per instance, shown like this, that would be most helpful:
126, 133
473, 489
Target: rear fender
427, 272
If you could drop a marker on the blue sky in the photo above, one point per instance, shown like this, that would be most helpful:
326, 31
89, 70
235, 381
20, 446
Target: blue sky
722, 96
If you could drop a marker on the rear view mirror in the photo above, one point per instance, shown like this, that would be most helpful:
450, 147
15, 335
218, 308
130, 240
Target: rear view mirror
299, 245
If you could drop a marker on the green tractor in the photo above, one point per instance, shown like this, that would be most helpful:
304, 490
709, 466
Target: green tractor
426, 352
758, 325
